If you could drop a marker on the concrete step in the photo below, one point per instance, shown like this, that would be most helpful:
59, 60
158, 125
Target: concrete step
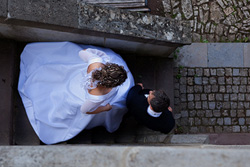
114, 156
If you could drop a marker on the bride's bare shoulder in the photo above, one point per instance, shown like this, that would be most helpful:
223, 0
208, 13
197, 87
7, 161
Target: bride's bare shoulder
94, 66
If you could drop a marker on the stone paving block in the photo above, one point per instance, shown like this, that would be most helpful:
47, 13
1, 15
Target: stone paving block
220, 72
227, 121
236, 80
228, 72
64, 13
191, 72
235, 89
221, 80
223, 55
241, 121
229, 80
243, 129
247, 113
243, 81
193, 130
236, 72
197, 97
198, 80
194, 55
235, 121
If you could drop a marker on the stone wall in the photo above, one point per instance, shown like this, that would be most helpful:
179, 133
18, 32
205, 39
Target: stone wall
211, 100
213, 20
73, 20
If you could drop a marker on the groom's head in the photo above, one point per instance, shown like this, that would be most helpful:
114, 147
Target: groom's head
158, 100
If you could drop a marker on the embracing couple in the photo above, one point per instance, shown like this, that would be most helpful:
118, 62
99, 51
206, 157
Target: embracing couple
67, 87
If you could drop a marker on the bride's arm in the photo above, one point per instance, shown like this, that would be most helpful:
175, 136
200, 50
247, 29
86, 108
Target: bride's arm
101, 109
89, 106
93, 107
93, 57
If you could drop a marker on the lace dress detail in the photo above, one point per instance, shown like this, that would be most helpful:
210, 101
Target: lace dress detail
91, 56
87, 82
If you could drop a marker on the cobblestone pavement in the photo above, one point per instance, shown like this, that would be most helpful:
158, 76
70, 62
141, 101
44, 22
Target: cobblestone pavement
212, 20
212, 97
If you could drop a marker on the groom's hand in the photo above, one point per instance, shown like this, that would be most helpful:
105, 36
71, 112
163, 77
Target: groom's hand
140, 85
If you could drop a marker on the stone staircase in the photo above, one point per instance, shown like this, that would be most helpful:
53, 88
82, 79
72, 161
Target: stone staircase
135, 39
153, 72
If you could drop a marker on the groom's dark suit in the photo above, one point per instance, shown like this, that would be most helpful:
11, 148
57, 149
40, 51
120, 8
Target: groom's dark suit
137, 105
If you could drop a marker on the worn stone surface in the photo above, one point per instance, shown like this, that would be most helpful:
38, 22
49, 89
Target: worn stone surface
213, 21
216, 12
62, 13
61, 21
65, 21
3, 8
187, 8
195, 55
130, 156
141, 25
223, 55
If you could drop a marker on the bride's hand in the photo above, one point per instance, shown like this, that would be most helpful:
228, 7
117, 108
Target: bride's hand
100, 109
108, 107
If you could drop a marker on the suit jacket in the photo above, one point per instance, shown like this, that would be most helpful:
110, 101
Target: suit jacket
137, 105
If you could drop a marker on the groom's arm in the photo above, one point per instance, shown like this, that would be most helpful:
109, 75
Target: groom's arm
132, 94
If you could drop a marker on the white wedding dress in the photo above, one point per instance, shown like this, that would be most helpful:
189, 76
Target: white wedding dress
53, 85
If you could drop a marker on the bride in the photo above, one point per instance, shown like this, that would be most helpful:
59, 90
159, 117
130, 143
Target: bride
64, 93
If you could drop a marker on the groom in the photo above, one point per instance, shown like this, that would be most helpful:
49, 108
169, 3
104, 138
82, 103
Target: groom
151, 108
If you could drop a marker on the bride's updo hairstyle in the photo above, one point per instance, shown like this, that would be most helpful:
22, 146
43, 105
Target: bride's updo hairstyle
111, 75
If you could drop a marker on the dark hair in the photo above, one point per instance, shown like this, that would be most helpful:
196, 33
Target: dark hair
111, 75
160, 102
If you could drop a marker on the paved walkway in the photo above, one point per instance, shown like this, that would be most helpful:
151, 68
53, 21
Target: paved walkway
212, 88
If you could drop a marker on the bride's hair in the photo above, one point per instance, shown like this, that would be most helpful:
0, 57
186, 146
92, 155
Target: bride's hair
109, 76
